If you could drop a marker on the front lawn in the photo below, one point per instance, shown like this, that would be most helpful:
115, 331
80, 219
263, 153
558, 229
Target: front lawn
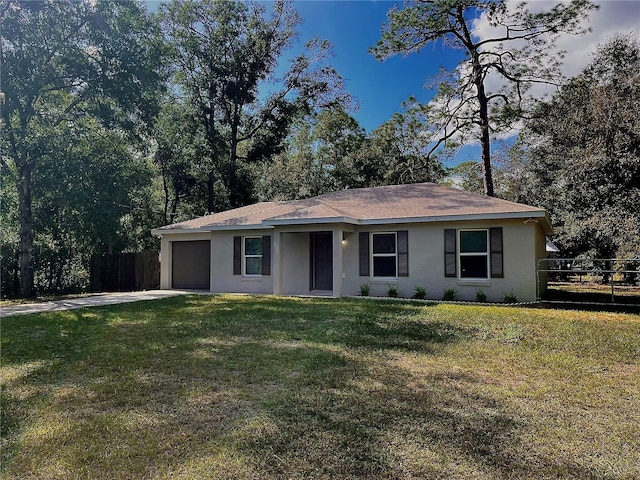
201, 387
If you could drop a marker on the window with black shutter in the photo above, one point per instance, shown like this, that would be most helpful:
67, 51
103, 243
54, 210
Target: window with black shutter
384, 254
497, 262
478, 253
474, 254
252, 255
450, 252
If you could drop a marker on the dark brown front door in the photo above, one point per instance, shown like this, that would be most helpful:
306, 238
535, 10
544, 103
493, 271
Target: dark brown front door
322, 261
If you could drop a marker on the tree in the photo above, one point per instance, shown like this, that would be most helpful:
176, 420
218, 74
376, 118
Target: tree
512, 172
83, 191
9, 234
89, 195
62, 61
320, 157
337, 137
329, 151
466, 176
520, 54
226, 55
180, 143
399, 150
584, 155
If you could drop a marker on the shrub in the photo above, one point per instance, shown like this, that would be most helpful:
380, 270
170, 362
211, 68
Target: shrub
509, 297
365, 290
481, 296
392, 291
420, 293
450, 294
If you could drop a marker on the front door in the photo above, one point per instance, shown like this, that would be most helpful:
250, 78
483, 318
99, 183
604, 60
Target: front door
321, 261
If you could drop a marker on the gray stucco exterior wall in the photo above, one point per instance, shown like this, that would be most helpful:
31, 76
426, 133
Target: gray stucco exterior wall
523, 245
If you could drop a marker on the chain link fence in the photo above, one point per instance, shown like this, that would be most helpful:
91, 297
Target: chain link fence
611, 281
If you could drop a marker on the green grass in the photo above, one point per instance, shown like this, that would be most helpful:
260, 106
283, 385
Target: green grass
240, 387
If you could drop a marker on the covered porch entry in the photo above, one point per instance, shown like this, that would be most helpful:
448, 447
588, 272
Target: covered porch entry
308, 261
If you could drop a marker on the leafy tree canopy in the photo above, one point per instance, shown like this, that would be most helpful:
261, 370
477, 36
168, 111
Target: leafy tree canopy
584, 155
62, 61
520, 54
227, 54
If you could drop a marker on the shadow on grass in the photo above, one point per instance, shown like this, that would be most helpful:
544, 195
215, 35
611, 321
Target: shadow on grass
35, 355
217, 387
628, 296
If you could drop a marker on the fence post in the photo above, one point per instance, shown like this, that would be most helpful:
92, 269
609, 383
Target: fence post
613, 299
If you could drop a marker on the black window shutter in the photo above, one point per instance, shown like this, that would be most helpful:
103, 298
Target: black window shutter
497, 264
364, 254
266, 255
237, 255
403, 253
450, 252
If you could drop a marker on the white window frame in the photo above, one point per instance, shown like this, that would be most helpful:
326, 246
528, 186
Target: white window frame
245, 256
373, 255
487, 253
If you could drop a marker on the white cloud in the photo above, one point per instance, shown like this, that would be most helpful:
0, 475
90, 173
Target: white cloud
613, 17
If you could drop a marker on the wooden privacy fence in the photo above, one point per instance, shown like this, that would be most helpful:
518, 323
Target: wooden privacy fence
125, 272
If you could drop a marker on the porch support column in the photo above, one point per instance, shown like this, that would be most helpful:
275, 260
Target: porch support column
276, 270
211, 257
337, 262
165, 263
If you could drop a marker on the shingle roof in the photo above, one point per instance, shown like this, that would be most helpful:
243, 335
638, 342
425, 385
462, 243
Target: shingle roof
397, 203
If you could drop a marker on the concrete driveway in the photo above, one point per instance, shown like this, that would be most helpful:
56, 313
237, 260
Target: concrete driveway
92, 301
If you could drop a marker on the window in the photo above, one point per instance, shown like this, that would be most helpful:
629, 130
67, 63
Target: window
384, 257
252, 256
474, 254
386, 253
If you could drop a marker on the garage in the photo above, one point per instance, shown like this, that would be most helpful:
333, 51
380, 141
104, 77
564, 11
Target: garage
190, 264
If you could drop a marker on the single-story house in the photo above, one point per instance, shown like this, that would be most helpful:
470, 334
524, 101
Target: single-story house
424, 235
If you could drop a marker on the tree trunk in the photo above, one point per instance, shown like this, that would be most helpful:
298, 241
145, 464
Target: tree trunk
165, 187
211, 200
485, 140
234, 195
174, 208
15, 284
26, 231
487, 177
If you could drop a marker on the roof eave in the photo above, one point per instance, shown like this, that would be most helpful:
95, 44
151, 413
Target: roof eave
226, 228
210, 228
158, 232
539, 216
309, 221
534, 214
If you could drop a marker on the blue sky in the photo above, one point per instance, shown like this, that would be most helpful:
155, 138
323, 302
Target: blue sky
379, 87
352, 27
